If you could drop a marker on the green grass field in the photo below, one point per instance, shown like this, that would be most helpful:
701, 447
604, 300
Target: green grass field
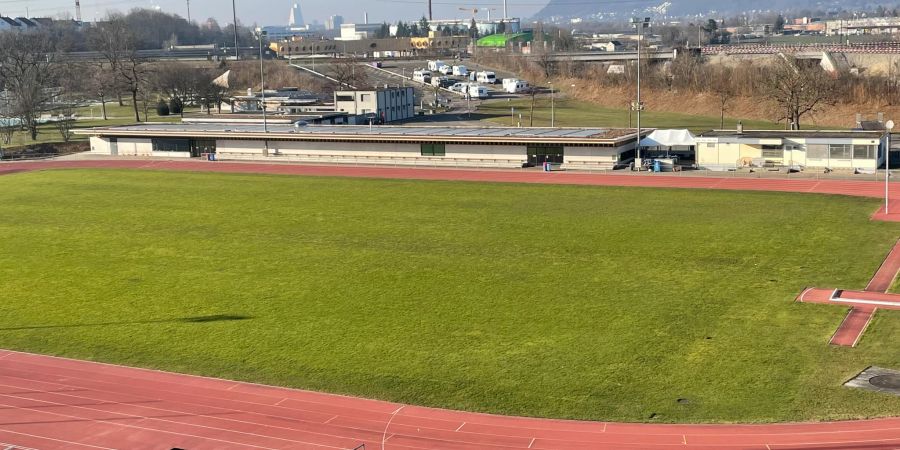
556, 301
574, 113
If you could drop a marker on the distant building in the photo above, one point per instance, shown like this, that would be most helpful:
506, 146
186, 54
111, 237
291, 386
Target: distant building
296, 17
279, 33
485, 27
357, 31
868, 25
9, 24
611, 46
334, 23
381, 106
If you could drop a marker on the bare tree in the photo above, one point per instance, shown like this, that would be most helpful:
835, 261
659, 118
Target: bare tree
721, 86
797, 90
347, 72
30, 69
119, 48
64, 122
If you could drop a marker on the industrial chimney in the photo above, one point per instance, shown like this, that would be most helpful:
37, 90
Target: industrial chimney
430, 16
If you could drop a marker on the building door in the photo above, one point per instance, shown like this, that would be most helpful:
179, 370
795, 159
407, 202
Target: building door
202, 146
114, 146
539, 154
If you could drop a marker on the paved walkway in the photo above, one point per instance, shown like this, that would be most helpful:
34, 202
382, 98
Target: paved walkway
53, 403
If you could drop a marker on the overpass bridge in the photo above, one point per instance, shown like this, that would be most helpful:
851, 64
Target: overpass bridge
658, 55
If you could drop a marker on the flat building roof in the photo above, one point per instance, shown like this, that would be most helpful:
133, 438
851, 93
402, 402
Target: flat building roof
584, 136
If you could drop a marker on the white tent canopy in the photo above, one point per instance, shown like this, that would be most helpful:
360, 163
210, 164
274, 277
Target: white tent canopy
669, 138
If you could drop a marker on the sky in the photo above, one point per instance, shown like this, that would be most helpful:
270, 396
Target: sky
275, 12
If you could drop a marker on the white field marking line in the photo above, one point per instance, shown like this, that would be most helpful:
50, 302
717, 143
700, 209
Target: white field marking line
684, 439
232, 387
132, 416
138, 427
388, 424
280, 401
200, 377
54, 440
460, 426
865, 326
497, 435
259, 414
542, 428
803, 294
180, 395
329, 420
200, 415
532, 442
833, 295
867, 302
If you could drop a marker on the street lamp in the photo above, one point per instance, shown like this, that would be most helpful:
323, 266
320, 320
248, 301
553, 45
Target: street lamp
237, 55
261, 34
640, 26
889, 125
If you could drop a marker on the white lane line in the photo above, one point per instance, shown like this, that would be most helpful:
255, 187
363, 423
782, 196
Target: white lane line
865, 326
69, 416
684, 439
532, 442
329, 420
460, 426
132, 416
52, 439
867, 302
166, 410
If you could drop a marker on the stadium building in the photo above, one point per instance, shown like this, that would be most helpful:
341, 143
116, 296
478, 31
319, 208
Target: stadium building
573, 148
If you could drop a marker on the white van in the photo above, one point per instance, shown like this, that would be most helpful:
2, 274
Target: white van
514, 85
478, 91
422, 76
460, 71
435, 66
446, 70
486, 77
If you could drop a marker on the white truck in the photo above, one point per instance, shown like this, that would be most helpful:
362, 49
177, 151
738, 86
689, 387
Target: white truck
422, 76
460, 71
514, 85
446, 70
486, 77
435, 66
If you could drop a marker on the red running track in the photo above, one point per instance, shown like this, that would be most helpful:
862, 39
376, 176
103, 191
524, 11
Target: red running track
841, 187
54, 403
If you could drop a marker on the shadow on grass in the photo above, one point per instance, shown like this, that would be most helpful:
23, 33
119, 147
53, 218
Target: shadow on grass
198, 319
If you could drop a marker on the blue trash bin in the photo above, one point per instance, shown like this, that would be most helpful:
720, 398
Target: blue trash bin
656, 166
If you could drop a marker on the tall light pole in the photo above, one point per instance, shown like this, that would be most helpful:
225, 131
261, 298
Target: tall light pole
234, 16
552, 106
889, 125
639, 25
261, 34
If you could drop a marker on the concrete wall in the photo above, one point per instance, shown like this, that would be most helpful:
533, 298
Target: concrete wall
99, 146
586, 158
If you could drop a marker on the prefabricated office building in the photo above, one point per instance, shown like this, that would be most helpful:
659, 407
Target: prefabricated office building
574, 148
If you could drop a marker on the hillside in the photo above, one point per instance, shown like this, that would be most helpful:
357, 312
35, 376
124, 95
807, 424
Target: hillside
604, 9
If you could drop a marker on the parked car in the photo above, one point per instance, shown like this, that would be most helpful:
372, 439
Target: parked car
422, 76
375, 64
446, 70
459, 88
441, 82
460, 71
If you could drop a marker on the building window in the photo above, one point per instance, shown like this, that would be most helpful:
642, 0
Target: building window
773, 151
864, 152
434, 150
817, 151
840, 151
171, 145
365, 97
710, 145
345, 98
